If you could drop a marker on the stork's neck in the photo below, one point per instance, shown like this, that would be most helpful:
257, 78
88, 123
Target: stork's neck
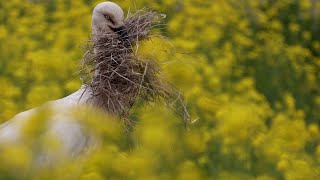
93, 34
94, 30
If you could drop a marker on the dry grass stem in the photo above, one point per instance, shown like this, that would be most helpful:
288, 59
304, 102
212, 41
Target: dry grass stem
118, 78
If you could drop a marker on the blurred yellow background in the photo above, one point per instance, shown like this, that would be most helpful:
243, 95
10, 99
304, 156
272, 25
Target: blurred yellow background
250, 71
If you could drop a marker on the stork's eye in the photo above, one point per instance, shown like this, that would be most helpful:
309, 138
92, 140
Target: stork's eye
107, 17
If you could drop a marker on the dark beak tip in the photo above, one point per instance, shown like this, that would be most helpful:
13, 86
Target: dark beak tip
122, 32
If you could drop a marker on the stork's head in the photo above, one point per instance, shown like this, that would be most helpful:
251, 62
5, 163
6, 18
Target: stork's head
108, 16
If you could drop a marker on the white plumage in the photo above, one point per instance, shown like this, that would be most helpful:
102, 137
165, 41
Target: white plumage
70, 133
67, 130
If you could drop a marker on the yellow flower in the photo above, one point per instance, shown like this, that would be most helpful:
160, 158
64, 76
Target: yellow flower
283, 165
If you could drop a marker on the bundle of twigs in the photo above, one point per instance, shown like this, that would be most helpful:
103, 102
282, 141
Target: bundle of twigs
120, 78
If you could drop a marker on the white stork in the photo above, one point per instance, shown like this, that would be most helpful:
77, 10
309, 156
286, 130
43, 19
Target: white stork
105, 16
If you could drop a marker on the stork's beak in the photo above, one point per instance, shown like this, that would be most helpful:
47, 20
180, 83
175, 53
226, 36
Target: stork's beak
122, 32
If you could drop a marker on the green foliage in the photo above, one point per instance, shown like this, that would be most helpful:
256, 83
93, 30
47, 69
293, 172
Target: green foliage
249, 70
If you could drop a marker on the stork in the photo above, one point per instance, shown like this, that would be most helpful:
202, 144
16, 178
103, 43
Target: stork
106, 16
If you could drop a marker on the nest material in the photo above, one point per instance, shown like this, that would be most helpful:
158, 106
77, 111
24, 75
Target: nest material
119, 78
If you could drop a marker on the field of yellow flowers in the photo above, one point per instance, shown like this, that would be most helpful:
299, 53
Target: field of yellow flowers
249, 69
